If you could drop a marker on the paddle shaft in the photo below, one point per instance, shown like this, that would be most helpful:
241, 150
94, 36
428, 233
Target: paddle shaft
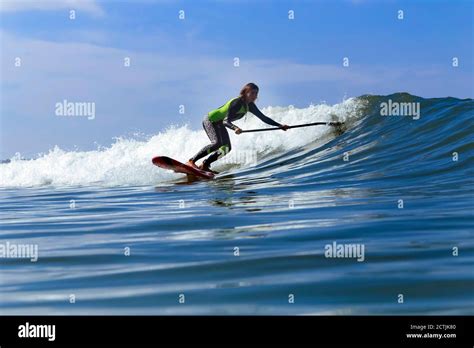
295, 126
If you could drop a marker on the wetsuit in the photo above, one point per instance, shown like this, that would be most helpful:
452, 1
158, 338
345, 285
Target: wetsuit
215, 122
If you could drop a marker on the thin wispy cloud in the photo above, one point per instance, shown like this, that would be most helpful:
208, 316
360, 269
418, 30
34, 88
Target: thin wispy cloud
87, 70
87, 6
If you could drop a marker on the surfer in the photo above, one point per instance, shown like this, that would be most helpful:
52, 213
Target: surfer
215, 122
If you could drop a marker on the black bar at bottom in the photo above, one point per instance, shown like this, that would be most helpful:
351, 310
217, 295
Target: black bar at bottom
224, 330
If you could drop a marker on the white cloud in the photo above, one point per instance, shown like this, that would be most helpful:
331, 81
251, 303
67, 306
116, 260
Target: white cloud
85, 69
88, 6
52, 71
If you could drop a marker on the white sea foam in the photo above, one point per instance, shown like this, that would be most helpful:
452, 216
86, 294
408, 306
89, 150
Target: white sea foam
128, 161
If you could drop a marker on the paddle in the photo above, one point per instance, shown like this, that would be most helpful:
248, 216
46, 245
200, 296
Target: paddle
296, 126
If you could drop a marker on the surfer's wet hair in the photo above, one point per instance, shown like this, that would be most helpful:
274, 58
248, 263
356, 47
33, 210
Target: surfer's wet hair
247, 88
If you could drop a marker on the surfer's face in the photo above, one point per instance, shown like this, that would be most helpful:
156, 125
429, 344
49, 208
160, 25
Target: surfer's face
252, 95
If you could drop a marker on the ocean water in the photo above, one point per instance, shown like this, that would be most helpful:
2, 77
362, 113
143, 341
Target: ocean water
117, 235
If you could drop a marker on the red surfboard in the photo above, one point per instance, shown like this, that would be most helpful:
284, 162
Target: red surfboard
178, 167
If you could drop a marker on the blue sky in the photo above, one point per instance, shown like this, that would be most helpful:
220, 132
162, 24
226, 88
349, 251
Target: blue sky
191, 62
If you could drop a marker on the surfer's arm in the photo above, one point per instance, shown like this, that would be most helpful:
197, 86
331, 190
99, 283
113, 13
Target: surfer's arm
254, 110
229, 124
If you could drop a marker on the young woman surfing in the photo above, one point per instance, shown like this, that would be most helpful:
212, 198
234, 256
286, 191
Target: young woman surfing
215, 122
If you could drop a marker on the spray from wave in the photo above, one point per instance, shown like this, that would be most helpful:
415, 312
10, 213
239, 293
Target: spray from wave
128, 161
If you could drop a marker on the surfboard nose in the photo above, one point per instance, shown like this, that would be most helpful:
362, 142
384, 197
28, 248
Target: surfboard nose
162, 159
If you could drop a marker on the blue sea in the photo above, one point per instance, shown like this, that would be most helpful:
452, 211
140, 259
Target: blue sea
116, 235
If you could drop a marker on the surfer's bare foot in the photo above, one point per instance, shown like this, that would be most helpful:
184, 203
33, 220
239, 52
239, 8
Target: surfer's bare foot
192, 164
